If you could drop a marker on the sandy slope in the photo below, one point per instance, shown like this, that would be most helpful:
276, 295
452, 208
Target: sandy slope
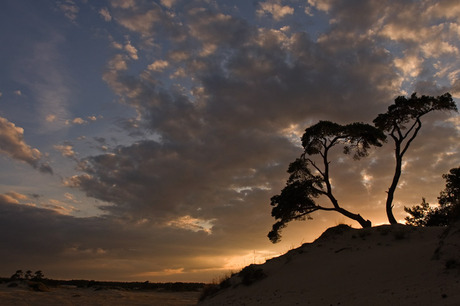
385, 265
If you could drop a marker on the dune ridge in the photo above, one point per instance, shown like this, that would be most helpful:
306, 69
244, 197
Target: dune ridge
383, 265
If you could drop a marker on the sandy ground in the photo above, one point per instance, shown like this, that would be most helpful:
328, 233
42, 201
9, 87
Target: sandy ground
386, 265
20, 296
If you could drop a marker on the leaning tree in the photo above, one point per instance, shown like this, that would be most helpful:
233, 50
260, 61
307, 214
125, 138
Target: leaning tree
309, 179
402, 122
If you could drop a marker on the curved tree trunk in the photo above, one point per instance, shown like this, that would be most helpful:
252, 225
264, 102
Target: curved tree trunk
335, 203
394, 184
356, 217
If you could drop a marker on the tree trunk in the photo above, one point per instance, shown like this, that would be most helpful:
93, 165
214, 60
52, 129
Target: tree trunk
335, 203
356, 217
346, 213
394, 184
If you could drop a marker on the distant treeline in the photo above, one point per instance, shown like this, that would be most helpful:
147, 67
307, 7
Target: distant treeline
101, 285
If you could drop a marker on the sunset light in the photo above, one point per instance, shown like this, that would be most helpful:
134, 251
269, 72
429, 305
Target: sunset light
144, 140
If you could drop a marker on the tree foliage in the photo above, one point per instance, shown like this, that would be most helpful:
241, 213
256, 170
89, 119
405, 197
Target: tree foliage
418, 214
20, 275
448, 209
308, 180
28, 274
402, 122
38, 275
450, 196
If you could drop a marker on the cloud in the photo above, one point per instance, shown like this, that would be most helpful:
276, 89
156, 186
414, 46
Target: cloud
244, 101
69, 8
47, 82
125, 4
322, 5
132, 51
140, 17
104, 12
59, 207
5, 198
71, 197
411, 66
158, 65
179, 73
168, 3
118, 63
275, 8
17, 196
116, 45
61, 239
66, 150
445, 9
216, 28
192, 224
50, 118
13, 145
77, 120
53, 234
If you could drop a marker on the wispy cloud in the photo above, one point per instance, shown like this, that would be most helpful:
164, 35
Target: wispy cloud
69, 8
49, 82
105, 14
13, 145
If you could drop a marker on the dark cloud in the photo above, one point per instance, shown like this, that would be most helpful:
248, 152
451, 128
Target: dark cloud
166, 180
36, 238
224, 136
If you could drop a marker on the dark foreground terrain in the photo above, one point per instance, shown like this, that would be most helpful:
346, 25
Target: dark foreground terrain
81, 292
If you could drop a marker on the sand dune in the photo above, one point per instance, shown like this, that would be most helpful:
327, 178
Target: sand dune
385, 265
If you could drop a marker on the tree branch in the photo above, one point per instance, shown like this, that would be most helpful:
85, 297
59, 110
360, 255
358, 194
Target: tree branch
419, 126
315, 166
313, 210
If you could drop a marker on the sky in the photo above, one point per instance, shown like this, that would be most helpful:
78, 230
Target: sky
142, 140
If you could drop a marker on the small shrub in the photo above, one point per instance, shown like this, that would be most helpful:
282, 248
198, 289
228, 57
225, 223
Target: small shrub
225, 283
251, 274
217, 285
208, 290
